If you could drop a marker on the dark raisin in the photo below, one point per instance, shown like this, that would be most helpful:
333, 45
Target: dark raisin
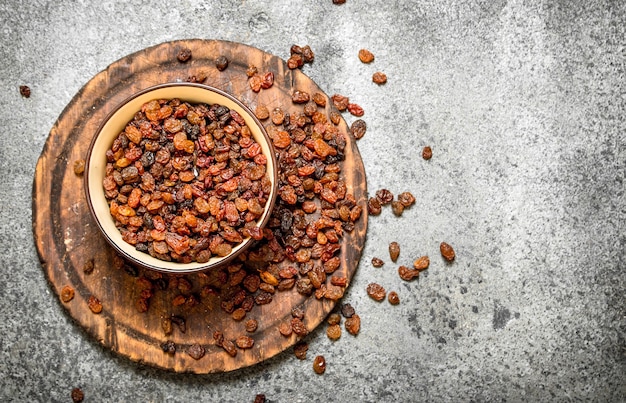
168, 347
358, 128
221, 63
77, 395
184, 55
347, 310
25, 91
384, 196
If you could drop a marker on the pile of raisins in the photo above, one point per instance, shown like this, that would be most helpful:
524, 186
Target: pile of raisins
186, 182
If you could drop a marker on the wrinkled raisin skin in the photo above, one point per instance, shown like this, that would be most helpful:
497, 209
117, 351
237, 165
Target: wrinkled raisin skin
447, 251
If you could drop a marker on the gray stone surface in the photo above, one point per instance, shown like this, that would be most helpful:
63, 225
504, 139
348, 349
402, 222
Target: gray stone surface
522, 103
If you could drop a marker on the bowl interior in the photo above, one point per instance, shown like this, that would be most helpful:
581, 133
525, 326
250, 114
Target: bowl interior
115, 124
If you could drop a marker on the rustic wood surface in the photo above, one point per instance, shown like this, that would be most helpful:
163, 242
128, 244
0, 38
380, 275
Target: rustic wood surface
67, 238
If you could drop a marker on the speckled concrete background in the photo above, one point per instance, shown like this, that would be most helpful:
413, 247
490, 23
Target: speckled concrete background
522, 103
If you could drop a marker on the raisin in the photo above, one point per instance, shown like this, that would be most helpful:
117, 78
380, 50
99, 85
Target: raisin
196, 351
319, 364
353, 324
251, 70
94, 304
244, 342
260, 398
333, 332
77, 395
319, 99
334, 319
393, 298
376, 291
184, 55
67, 293
397, 208
427, 153
406, 198
255, 83
358, 128
339, 1
229, 347
268, 80
407, 274
394, 251
239, 314
79, 167
341, 102
25, 91
366, 56
347, 310
298, 327
377, 262
373, 206
221, 63
300, 97
447, 251
421, 263
355, 109
251, 325
285, 329
168, 347
379, 78
300, 350
88, 266
384, 196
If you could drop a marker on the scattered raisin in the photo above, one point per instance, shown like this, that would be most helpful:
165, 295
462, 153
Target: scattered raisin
319, 364
88, 266
427, 153
333, 332
407, 274
394, 251
67, 293
285, 329
334, 318
358, 128
196, 351
300, 350
384, 196
421, 263
268, 80
341, 102
221, 63
184, 55
339, 1
94, 304
373, 206
355, 109
377, 262
244, 342
260, 398
397, 208
25, 91
379, 78
262, 112
353, 324
447, 252
347, 310
406, 198
366, 56
77, 395
251, 325
393, 298
376, 291
168, 347
300, 97
229, 347
298, 327
79, 167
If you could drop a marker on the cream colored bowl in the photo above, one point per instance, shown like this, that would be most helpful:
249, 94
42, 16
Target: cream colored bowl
115, 123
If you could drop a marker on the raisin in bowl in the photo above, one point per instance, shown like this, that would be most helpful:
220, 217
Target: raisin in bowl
181, 178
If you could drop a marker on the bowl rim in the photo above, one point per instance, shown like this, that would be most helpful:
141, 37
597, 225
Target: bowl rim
171, 266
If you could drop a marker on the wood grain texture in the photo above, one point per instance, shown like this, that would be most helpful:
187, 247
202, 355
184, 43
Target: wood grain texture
67, 238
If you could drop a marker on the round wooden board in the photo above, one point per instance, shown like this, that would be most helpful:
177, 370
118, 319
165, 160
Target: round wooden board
67, 238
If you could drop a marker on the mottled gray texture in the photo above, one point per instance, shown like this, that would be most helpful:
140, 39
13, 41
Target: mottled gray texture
522, 103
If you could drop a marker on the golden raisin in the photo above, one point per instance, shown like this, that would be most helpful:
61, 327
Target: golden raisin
447, 252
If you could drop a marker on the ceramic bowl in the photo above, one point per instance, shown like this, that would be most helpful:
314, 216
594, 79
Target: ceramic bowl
114, 124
